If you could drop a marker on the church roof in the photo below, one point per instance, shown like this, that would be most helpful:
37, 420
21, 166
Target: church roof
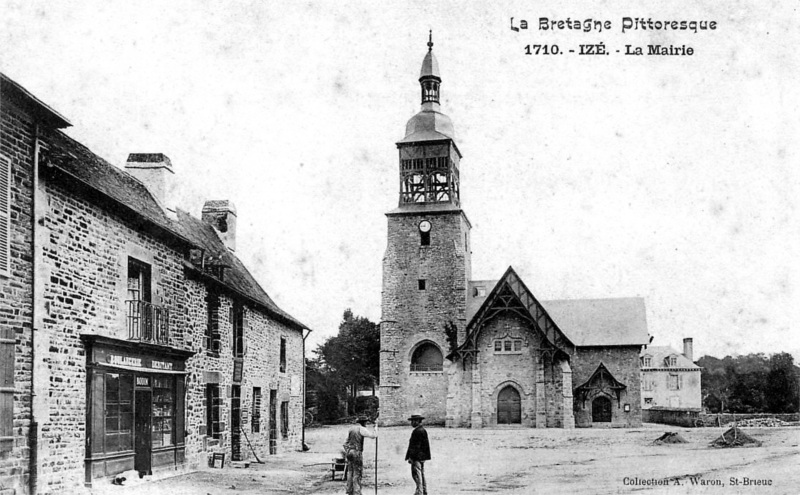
660, 354
601, 322
586, 322
428, 125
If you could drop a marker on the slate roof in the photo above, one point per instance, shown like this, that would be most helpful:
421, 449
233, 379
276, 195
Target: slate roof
601, 322
78, 162
16, 93
659, 355
586, 322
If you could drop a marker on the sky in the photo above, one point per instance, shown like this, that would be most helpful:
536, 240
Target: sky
672, 178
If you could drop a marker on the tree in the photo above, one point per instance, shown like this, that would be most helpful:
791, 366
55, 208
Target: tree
353, 356
781, 389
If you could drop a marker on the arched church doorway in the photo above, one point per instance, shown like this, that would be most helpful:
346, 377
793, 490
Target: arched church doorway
509, 407
601, 410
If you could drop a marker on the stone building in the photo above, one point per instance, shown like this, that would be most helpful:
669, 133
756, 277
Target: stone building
133, 338
670, 379
482, 353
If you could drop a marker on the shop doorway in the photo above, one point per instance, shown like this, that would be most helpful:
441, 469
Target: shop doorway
143, 450
273, 422
236, 422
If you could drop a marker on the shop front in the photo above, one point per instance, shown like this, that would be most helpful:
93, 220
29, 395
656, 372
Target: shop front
136, 407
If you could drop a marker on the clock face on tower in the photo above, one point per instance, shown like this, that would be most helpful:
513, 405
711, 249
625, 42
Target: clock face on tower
424, 226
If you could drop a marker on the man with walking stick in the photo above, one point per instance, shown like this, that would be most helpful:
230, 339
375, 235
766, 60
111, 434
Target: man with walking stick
353, 452
418, 452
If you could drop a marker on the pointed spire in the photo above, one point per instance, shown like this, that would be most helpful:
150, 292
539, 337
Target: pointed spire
429, 75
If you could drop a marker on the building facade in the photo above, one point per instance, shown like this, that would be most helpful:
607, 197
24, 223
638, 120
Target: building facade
139, 340
483, 353
670, 379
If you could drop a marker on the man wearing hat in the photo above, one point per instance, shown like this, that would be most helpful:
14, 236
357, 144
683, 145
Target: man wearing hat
353, 449
418, 452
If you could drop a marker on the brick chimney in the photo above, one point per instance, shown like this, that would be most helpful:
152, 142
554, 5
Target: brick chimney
221, 215
154, 170
688, 349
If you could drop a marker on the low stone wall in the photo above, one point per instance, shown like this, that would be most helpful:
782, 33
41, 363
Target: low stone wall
690, 418
675, 417
723, 419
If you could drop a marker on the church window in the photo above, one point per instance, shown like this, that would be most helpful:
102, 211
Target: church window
425, 238
426, 357
508, 346
421, 284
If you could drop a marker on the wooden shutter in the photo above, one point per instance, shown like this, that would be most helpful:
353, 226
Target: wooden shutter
7, 354
180, 410
5, 207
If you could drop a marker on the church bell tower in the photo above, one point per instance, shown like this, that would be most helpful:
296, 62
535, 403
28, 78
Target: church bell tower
426, 266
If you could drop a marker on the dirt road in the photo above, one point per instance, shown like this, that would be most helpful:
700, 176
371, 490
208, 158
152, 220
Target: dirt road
521, 461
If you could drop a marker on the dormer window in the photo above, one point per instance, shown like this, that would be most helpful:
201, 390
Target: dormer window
673, 361
647, 361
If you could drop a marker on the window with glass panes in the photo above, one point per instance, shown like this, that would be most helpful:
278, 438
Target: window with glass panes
212, 410
118, 412
508, 346
163, 411
238, 330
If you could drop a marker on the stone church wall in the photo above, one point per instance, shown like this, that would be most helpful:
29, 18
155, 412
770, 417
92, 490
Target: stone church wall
499, 370
623, 363
411, 315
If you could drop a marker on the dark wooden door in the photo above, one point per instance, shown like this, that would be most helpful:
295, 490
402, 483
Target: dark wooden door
601, 410
236, 422
143, 421
273, 421
509, 408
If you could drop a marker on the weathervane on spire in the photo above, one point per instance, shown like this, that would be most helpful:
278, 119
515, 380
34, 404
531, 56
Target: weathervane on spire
430, 40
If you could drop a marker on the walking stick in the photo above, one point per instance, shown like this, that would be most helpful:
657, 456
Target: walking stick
376, 453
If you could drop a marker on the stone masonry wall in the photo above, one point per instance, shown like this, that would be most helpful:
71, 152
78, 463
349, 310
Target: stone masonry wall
411, 315
623, 363
261, 368
85, 252
16, 145
500, 370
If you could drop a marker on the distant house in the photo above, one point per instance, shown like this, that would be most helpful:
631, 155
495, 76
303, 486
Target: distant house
670, 379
